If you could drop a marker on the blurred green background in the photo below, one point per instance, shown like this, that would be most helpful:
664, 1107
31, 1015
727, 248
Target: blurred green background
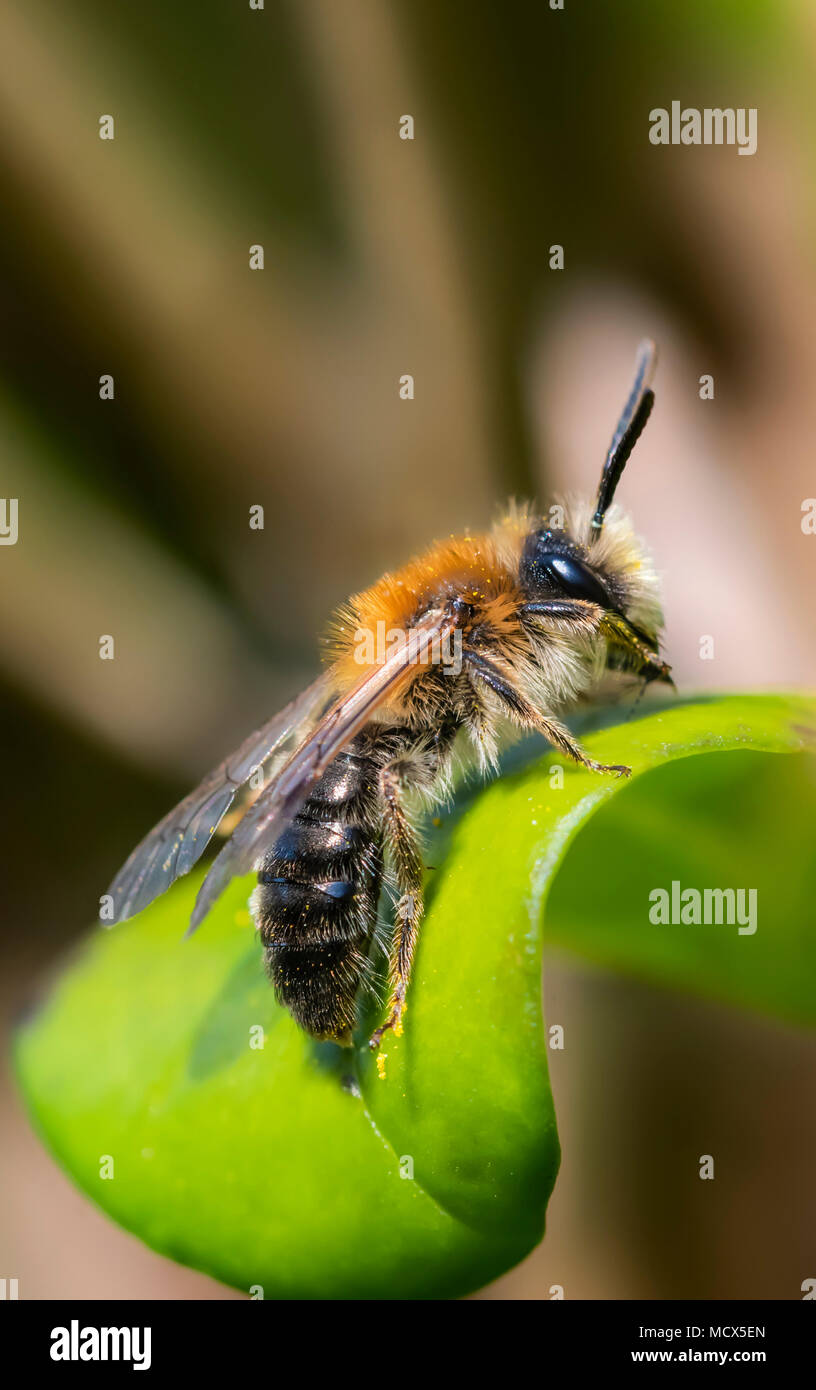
235, 388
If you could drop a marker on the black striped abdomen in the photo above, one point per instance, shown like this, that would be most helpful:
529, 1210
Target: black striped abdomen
316, 900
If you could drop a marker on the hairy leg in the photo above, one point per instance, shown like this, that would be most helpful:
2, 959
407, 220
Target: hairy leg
617, 629
525, 714
402, 842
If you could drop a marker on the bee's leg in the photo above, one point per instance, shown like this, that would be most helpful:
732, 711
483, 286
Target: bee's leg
404, 846
619, 630
525, 714
612, 625
561, 738
576, 608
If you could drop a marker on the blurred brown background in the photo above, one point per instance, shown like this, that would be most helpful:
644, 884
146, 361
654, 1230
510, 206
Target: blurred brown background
235, 388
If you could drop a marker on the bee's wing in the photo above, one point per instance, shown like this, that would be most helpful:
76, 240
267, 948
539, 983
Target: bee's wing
178, 841
280, 801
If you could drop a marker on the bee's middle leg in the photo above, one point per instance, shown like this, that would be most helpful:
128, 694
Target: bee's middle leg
404, 846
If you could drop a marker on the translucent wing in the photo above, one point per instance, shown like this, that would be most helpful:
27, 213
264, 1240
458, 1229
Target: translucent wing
178, 841
282, 798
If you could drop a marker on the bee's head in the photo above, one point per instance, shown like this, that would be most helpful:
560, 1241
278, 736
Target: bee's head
613, 573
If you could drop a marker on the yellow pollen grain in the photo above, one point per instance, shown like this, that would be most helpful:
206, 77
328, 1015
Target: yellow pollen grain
381, 1066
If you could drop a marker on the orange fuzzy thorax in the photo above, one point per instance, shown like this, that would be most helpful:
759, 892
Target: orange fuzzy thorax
465, 567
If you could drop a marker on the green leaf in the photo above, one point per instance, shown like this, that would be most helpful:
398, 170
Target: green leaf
745, 821
295, 1166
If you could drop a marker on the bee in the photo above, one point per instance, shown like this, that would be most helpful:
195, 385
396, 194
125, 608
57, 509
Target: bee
510, 627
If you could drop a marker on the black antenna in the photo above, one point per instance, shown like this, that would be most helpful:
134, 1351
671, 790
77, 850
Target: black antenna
629, 428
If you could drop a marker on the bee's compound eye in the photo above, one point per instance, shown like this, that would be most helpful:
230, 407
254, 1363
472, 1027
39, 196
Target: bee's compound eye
577, 579
550, 567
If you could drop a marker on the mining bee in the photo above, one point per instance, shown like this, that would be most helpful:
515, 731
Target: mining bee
534, 616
